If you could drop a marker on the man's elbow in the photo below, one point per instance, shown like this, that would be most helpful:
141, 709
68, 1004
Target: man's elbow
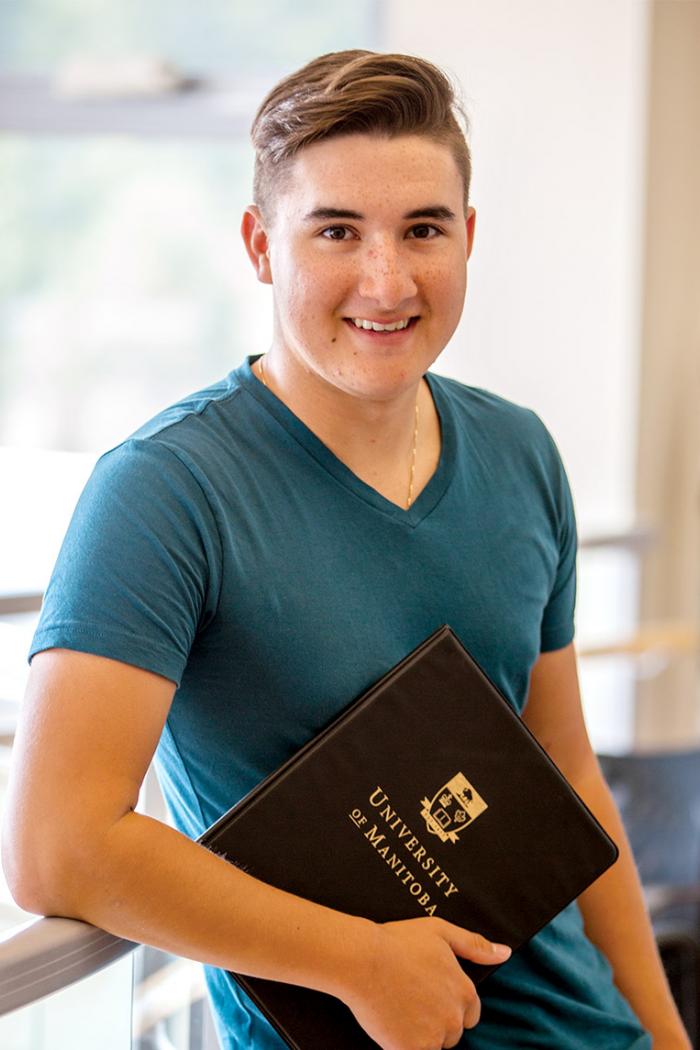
42, 873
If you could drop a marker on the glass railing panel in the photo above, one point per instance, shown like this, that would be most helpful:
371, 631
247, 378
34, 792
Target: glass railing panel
94, 1012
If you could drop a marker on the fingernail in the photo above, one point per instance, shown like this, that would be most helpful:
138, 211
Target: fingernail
501, 950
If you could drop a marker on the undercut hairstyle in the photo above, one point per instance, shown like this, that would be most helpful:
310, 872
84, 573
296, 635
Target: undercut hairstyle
349, 92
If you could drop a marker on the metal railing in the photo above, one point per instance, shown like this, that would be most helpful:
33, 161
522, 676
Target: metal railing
46, 955
97, 989
10, 604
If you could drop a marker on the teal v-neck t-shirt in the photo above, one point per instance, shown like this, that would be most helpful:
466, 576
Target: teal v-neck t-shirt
225, 547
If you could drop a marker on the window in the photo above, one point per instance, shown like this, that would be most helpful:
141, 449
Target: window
124, 282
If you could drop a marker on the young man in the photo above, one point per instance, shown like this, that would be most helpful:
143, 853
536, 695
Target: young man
257, 555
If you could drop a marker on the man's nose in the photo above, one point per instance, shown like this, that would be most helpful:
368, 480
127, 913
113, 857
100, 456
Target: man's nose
386, 275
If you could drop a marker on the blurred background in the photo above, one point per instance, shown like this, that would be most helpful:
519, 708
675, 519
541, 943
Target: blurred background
124, 168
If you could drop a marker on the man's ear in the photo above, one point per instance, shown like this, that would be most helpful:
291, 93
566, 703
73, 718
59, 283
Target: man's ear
471, 225
254, 234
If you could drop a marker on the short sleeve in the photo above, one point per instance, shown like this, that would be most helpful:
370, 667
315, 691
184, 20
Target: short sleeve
557, 628
139, 569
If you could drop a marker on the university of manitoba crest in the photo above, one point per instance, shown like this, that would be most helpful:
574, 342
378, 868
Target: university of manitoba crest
452, 808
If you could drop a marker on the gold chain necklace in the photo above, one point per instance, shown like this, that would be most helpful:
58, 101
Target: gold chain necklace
409, 499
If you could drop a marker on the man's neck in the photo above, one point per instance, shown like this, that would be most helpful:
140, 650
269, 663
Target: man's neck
378, 440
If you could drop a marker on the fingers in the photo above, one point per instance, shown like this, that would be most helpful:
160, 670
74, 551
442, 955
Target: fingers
424, 998
471, 1014
470, 1020
469, 945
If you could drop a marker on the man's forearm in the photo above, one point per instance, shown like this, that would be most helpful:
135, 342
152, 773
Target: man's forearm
616, 920
149, 883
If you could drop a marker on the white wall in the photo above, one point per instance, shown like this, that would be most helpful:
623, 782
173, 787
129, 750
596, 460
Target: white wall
556, 93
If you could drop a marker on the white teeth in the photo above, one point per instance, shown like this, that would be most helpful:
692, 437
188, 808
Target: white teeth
374, 326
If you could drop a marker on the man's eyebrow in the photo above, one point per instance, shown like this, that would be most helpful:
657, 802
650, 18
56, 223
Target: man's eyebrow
321, 214
430, 211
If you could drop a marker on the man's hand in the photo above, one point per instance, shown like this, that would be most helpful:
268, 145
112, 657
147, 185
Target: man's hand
415, 995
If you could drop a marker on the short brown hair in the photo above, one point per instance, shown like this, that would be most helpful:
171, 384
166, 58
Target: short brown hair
347, 92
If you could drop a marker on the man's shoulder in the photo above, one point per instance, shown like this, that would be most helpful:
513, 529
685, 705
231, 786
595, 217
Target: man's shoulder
509, 436
194, 414
192, 427
194, 440
489, 410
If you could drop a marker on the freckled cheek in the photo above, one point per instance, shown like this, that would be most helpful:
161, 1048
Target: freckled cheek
308, 290
325, 291
306, 306
447, 287
298, 293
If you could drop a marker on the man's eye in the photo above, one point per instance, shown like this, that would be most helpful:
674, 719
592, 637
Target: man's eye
336, 233
424, 232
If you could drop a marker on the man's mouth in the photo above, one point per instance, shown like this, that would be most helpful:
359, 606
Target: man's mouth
367, 325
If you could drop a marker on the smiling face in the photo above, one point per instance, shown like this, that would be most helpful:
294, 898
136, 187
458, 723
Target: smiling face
367, 255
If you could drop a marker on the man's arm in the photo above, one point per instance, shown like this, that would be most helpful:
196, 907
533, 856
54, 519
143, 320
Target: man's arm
73, 846
614, 913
